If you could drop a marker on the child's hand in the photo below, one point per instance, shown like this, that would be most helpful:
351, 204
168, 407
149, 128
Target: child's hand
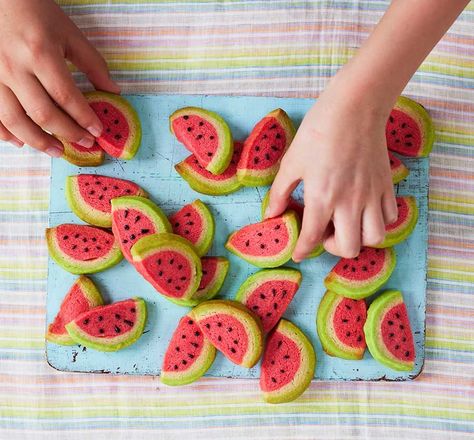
341, 155
37, 91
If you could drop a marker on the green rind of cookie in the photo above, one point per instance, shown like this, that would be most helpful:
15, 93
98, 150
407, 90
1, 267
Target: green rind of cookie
149, 209
399, 173
85, 211
292, 222
199, 368
208, 225
251, 177
295, 388
316, 252
81, 159
262, 276
419, 113
225, 149
150, 244
328, 303
135, 129
116, 343
334, 283
94, 298
238, 311
205, 186
375, 315
214, 287
113, 257
393, 238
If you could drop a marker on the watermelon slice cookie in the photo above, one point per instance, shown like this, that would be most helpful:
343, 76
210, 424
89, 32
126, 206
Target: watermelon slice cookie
82, 296
288, 364
409, 130
298, 208
398, 169
401, 228
388, 332
264, 148
214, 272
203, 181
122, 133
268, 293
363, 275
189, 354
135, 217
81, 156
232, 329
81, 249
269, 243
206, 135
89, 196
195, 223
340, 323
110, 328
170, 264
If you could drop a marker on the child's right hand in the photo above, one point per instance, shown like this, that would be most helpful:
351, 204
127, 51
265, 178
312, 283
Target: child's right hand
340, 153
37, 91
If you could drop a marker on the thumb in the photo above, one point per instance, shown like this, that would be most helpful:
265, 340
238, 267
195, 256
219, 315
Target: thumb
280, 192
89, 61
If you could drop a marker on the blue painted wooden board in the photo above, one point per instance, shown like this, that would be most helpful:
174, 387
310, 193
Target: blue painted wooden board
153, 169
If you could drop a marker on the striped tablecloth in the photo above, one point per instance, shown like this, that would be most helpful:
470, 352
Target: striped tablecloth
277, 47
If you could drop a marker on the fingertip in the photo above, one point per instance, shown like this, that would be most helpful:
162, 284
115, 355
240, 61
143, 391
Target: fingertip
16, 142
270, 212
54, 152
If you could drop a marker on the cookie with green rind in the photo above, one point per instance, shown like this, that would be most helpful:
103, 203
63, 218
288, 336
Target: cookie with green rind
195, 223
82, 156
122, 133
388, 332
401, 228
288, 364
82, 249
298, 208
264, 148
363, 275
203, 181
214, 273
268, 293
89, 196
409, 130
135, 217
170, 264
206, 135
340, 323
110, 328
233, 329
81, 297
266, 244
397, 168
189, 354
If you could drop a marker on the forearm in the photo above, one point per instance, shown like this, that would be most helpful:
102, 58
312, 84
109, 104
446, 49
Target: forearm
401, 41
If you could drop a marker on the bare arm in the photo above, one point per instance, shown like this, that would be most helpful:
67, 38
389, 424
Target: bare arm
404, 37
340, 150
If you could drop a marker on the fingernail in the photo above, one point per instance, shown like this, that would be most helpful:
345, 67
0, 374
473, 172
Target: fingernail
86, 142
297, 259
95, 131
268, 213
16, 142
54, 152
